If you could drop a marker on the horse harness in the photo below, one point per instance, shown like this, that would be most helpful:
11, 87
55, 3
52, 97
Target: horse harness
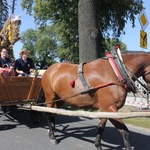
80, 73
119, 69
124, 78
123, 70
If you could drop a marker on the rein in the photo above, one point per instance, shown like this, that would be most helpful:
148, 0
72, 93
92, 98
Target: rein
139, 83
137, 78
80, 93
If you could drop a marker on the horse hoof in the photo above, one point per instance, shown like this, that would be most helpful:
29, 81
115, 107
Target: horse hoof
99, 148
53, 141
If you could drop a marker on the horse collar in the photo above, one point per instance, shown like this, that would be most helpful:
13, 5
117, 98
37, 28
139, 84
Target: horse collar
120, 70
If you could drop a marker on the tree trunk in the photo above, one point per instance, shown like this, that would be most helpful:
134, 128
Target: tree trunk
89, 42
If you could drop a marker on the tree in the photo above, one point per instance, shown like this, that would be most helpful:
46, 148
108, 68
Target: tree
3, 12
9, 28
42, 46
111, 43
110, 16
89, 41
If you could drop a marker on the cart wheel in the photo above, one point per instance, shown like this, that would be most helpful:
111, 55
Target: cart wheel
10, 109
36, 117
4, 109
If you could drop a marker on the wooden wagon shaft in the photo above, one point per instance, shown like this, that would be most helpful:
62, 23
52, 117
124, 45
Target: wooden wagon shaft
16, 102
90, 114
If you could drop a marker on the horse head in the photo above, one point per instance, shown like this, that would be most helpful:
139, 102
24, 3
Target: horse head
146, 76
138, 65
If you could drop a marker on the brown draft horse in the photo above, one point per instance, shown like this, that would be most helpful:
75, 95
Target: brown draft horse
56, 85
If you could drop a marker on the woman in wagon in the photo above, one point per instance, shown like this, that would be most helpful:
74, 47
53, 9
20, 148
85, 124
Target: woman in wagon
24, 65
5, 62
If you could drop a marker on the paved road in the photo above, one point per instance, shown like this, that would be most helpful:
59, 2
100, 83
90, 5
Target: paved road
73, 133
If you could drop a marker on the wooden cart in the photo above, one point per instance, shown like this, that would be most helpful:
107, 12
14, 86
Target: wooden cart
17, 91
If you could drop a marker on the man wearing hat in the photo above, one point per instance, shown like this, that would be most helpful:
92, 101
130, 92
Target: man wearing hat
24, 65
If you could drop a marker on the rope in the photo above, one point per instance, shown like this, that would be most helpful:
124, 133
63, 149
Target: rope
57, 100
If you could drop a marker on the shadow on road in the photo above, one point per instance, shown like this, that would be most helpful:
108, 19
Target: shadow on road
111, 136
77, 127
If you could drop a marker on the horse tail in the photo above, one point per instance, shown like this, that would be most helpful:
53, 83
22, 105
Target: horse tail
41, 97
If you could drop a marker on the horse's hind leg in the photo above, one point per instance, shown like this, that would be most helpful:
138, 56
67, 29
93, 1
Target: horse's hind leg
119, 124
49, 97
101, 127
51, 125
51, 121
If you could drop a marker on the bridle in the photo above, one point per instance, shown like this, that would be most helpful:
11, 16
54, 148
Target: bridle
136, 78
147, 73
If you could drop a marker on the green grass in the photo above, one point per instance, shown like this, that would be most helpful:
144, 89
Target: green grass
139, 121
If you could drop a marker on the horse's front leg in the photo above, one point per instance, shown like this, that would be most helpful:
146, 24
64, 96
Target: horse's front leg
101, 127
119, 124
51, 124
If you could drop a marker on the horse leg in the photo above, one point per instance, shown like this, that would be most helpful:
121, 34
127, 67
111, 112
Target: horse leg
51, 122
51, 119
119, 124
51, 125
101, 127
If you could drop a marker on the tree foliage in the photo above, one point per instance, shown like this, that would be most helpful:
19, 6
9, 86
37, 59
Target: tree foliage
42, 45
3, 12
112, 15
111, 43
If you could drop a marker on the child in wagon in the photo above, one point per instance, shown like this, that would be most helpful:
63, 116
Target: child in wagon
5, 63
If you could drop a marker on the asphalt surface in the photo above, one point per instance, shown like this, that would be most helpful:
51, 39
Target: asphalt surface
73, 133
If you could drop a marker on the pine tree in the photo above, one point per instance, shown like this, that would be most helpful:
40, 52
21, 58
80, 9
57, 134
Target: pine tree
3, 12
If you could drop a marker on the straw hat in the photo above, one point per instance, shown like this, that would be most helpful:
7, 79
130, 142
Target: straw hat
24, 50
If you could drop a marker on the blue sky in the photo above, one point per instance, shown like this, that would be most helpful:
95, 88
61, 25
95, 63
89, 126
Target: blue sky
131, 38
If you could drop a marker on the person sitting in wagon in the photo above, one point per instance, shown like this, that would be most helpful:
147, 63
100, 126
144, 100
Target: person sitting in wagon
5, 64
24, 65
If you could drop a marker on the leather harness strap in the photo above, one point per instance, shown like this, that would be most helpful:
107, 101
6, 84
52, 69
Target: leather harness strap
80, 73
